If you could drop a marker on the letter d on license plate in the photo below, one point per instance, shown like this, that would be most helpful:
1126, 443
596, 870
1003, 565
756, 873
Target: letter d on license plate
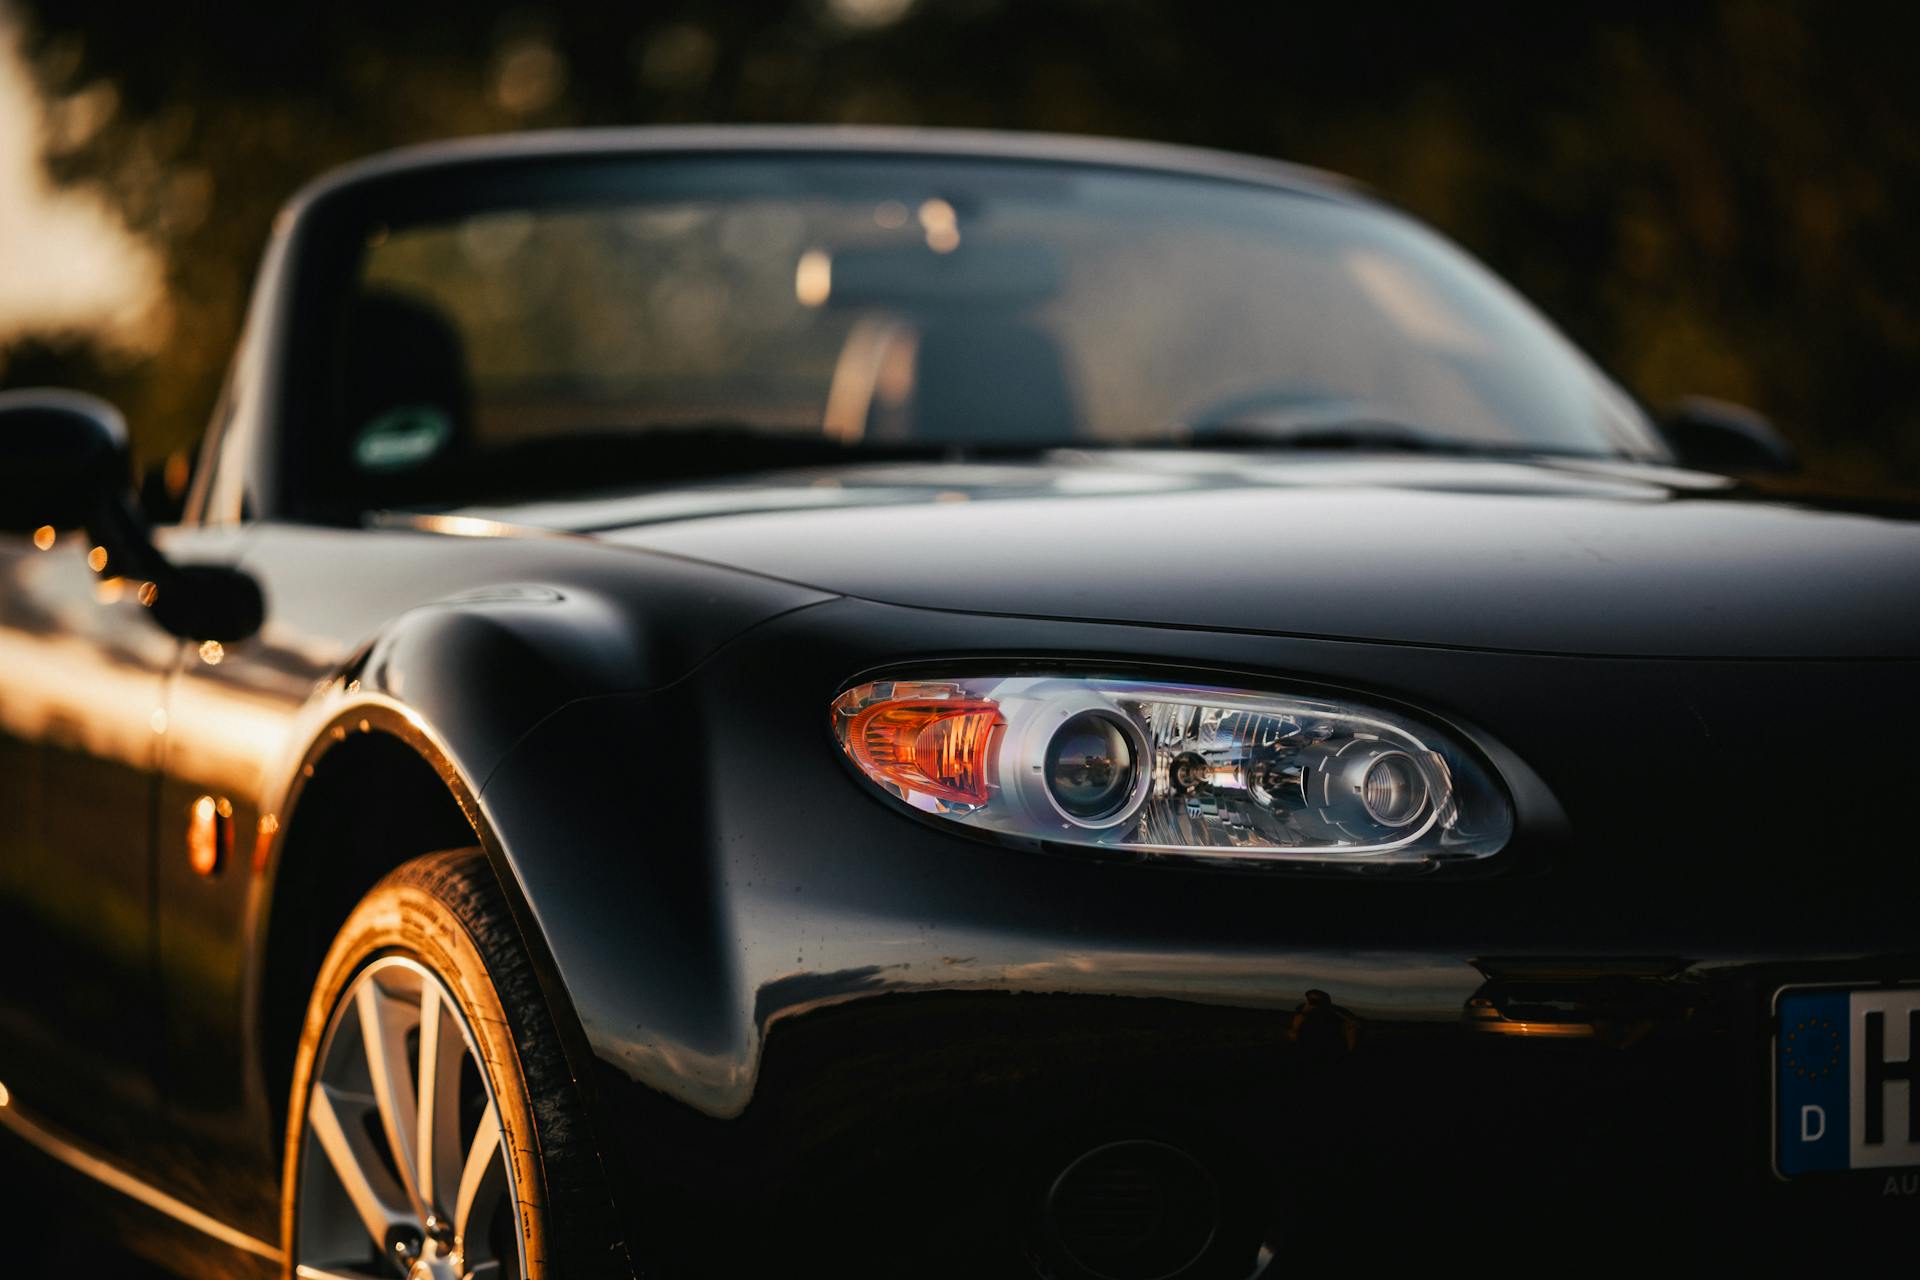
1846, 1072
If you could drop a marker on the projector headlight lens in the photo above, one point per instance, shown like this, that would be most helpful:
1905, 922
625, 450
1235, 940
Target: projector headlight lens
1171, 770
1091, 766
1393, 790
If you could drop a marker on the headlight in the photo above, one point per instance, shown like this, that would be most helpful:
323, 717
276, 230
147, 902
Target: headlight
1138, 767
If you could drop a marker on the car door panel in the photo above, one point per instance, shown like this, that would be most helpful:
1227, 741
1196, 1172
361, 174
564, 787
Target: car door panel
82, 676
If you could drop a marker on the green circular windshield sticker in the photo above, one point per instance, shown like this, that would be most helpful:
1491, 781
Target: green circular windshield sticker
402, 438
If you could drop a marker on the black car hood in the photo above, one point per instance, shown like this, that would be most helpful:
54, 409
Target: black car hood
1535, 555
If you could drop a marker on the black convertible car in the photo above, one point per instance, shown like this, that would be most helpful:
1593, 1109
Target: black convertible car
789, 702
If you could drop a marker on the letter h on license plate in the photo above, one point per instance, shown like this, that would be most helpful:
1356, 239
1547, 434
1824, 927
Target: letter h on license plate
1846, 1070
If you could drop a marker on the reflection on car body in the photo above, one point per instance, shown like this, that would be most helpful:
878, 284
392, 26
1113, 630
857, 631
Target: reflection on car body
984, 705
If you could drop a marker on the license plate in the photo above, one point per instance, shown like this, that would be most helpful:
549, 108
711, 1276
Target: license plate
1846, 1079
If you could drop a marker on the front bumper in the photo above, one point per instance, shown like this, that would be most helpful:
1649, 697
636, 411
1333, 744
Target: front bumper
820, 1029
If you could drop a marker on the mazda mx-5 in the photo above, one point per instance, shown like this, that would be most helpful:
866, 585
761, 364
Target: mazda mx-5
801, 702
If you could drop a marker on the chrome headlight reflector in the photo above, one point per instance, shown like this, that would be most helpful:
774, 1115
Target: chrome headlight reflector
1174, 770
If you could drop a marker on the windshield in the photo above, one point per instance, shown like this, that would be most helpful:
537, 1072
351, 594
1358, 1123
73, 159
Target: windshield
729, 314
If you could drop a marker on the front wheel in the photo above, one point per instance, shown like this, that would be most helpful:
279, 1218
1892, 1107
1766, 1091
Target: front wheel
434, 1132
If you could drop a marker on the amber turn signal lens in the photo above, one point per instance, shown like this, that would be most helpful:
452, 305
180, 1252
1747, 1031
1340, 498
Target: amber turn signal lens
935, 747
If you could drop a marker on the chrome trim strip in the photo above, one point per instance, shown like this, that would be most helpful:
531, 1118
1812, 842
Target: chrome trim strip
103, 1171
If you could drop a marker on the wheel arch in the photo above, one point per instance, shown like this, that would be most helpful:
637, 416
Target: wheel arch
376, 788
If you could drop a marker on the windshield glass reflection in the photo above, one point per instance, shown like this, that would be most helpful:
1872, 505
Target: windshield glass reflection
757, 312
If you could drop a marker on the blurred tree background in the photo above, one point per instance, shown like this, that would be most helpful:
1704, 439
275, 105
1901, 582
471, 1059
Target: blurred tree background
1710, 197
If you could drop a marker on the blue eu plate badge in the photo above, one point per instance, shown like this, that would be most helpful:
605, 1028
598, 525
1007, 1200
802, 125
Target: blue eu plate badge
1846, 1072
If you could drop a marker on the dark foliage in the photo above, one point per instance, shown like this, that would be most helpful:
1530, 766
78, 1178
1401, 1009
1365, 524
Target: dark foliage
1710, 197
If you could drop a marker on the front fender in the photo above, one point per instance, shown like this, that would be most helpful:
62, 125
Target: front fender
524, 627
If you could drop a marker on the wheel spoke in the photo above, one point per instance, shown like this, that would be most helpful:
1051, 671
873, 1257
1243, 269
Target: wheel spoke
391, 1110
385, 1021
443, 1050
335, 1117
484, 1176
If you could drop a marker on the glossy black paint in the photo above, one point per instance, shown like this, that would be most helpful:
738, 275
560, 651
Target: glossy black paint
817, 1029
1717, 436
1046, 1000
1569, 557
61, 452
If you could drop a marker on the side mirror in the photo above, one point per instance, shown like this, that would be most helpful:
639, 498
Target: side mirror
1714, 435
64, 463
62, 455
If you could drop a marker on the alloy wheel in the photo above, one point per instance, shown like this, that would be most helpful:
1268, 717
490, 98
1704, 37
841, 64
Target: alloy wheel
405, 1171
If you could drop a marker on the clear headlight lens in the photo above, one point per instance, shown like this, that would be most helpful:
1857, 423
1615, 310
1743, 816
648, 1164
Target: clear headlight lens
1175, 770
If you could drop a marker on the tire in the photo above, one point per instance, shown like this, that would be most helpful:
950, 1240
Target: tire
520, 1183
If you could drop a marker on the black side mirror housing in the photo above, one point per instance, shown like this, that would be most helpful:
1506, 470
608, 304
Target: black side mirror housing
1716, 435
61, 453
64, 463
